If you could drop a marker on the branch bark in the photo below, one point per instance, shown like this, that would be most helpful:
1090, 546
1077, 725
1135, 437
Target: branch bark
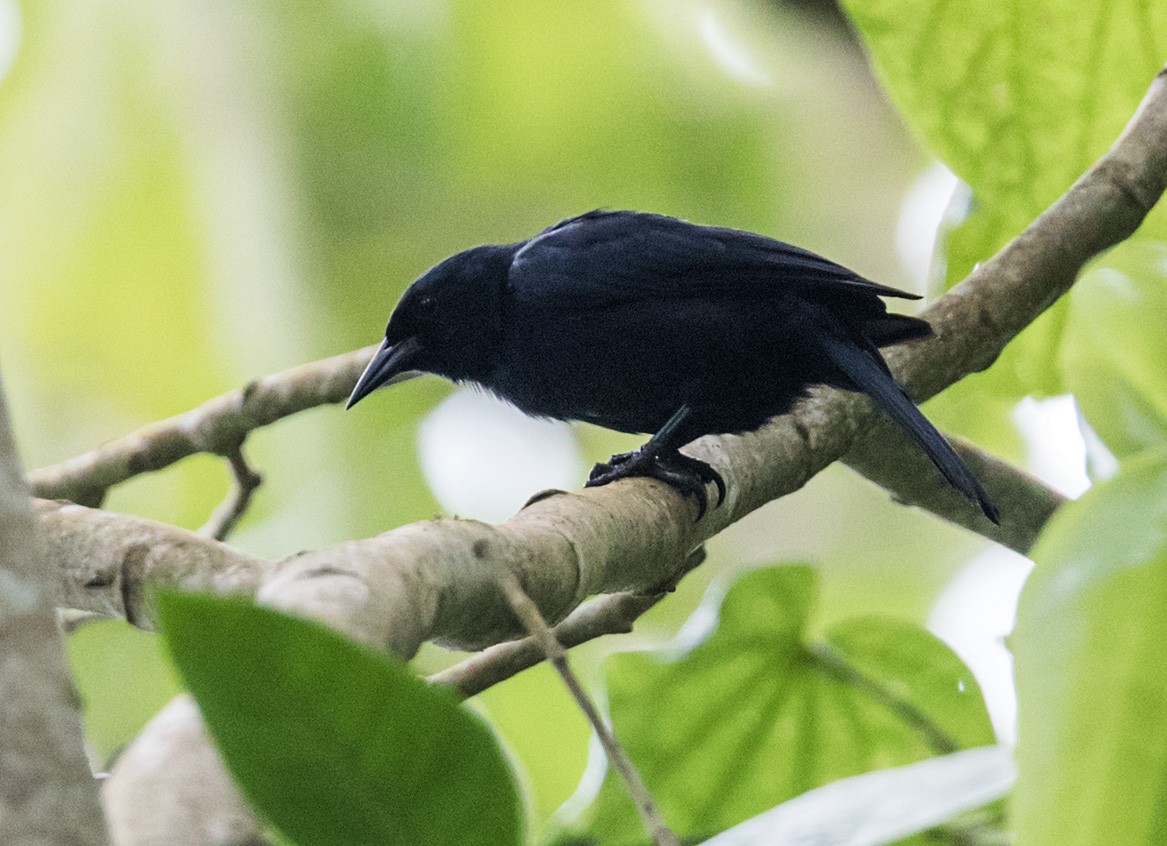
47, 793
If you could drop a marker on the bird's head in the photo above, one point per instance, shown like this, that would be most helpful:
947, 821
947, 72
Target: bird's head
448, 322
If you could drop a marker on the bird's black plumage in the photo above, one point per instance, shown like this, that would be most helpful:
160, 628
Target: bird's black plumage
648, 324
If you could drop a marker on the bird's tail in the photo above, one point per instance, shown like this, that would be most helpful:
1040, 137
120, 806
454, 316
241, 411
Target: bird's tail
866, 369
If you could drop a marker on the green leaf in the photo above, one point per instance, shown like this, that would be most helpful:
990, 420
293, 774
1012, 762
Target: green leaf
754, 714
335, 743
1112, 354
1018, 99
916, 677
1089, 655
883, 806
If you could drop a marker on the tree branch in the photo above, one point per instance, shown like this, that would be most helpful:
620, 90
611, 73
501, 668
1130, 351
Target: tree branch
104, 561
885, 456
157, 807
47, 793
217, 426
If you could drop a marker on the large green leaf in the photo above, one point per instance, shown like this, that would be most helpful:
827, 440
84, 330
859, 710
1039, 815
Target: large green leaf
754, 714
1089, 650
1017, 99
1113, 356
334, 743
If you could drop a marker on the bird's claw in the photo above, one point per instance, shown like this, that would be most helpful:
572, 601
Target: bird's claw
683, 473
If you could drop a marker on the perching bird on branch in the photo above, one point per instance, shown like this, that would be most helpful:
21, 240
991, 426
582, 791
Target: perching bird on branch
648, 324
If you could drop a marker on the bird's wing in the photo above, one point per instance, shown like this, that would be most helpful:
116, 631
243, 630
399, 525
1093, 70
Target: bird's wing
605, 257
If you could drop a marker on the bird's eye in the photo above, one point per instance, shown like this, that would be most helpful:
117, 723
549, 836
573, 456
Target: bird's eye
425, 304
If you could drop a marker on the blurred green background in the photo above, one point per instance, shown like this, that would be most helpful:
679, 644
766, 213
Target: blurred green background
192, 195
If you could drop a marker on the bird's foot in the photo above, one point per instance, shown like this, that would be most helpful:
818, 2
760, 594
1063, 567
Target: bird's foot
680, 472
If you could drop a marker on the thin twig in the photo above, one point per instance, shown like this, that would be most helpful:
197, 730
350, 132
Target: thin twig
612, 613
227, 514
528, 614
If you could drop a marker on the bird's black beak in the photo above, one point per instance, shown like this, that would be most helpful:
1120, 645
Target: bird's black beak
391, 361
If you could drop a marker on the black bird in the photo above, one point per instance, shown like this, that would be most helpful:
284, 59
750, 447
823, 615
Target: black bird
648, 324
